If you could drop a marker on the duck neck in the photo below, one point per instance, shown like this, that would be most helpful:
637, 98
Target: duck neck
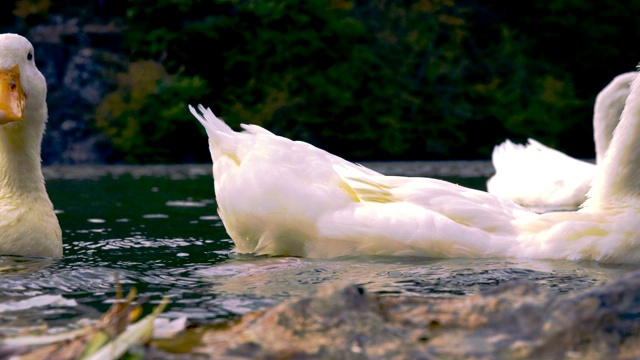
607, 110
618, 177
20, 164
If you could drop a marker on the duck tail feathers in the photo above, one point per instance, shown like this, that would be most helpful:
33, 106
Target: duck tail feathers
222, 138
214, 125
503, 153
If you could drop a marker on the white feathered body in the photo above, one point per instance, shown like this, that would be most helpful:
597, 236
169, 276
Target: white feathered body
537, 176
608, 236
281, 197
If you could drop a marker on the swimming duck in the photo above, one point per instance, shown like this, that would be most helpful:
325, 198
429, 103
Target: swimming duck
276, 196
537, 176
28, 225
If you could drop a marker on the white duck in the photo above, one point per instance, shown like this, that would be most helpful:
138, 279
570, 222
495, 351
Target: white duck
283, 197
540, 177
28, 225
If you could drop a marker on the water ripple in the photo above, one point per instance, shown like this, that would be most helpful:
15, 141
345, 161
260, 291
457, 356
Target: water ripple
171, 242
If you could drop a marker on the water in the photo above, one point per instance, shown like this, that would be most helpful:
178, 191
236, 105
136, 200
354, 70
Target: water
155, 229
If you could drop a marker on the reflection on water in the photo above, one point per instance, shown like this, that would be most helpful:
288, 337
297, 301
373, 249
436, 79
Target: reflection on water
279, 278
156, 229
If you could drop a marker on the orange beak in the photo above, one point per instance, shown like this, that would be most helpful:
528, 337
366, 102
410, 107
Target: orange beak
11, 96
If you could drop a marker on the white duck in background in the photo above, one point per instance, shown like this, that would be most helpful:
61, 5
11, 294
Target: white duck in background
28, 223
543, 178
607, 110
281, 197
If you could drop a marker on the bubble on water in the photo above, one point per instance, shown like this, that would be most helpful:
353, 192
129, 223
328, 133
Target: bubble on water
185, 203
37, 301
210, 217
155, 216
96, 220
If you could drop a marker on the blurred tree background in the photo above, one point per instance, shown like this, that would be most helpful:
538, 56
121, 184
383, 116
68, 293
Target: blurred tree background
367, 80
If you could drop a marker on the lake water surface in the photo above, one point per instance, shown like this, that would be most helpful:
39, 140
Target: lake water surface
155, 228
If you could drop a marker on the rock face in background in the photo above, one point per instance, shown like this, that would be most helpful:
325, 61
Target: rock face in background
80, 62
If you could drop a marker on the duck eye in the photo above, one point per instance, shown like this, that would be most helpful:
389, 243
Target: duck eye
29, 56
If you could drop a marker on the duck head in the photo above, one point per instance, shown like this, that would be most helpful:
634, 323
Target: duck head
23, 88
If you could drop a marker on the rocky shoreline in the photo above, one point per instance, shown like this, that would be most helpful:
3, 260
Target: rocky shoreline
512, 321
477, 168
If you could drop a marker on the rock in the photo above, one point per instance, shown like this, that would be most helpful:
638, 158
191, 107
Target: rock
84, 76
80, 61
513, 321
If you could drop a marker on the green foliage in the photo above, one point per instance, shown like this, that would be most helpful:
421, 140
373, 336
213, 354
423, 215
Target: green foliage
378, 79
146, 116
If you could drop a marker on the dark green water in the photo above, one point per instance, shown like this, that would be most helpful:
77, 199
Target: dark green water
156, 229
